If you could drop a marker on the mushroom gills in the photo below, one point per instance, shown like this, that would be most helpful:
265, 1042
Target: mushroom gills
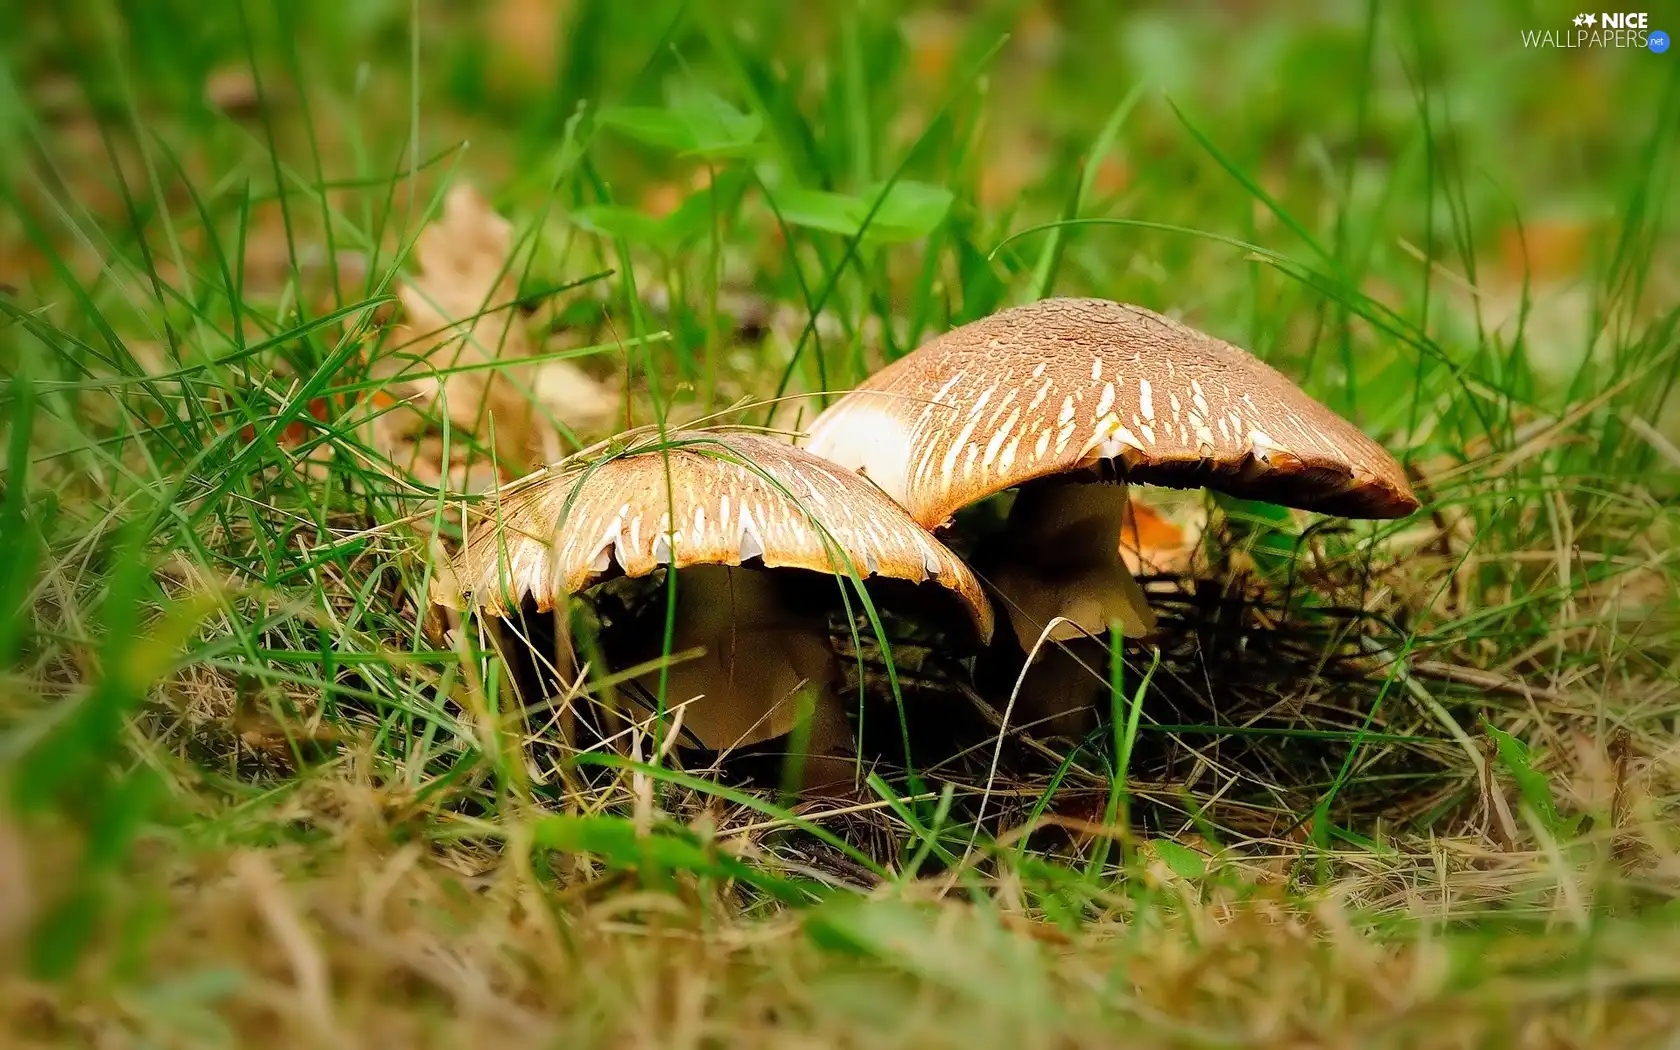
764, 662
1061, 567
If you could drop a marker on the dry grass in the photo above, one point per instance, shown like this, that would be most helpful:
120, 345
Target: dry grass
341, 938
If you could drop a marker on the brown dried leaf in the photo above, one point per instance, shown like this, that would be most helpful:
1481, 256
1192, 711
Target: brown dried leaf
575, 398
233, 90
1154, 539
524, 34
461, 311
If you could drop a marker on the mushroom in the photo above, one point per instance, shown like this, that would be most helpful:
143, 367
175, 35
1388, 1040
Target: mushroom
1057, 397
737, 515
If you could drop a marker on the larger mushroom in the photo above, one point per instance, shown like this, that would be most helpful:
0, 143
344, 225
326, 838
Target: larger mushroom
1060, 398
737, 515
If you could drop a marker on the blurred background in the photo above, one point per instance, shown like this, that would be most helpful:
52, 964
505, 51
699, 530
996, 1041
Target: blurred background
1496, 195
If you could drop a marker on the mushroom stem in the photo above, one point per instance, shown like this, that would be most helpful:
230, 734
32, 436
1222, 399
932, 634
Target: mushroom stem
1059, 572
766, 664
1059, 565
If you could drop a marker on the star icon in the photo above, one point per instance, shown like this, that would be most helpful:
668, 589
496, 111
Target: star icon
1580, 20
1591, 19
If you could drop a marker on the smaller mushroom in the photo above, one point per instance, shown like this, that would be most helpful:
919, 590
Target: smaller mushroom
1062, 398
746, 521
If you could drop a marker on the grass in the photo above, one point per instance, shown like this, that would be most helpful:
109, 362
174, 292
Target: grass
1402, 785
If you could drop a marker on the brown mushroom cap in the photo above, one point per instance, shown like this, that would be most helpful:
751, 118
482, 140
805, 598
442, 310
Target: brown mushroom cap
731, 497
1057, 385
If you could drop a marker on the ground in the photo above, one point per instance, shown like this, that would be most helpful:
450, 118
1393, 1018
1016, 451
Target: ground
1388, 784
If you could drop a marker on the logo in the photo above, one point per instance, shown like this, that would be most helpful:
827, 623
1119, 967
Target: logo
1601, 29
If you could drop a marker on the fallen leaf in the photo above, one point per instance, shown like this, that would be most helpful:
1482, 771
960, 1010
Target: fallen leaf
1156, 540
933, 37
1014, 162
460, 309
1042, 38
233, 90
576, 399
661, 199
525, 33
461, 313
1544, 251
297, 431
1113, 175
